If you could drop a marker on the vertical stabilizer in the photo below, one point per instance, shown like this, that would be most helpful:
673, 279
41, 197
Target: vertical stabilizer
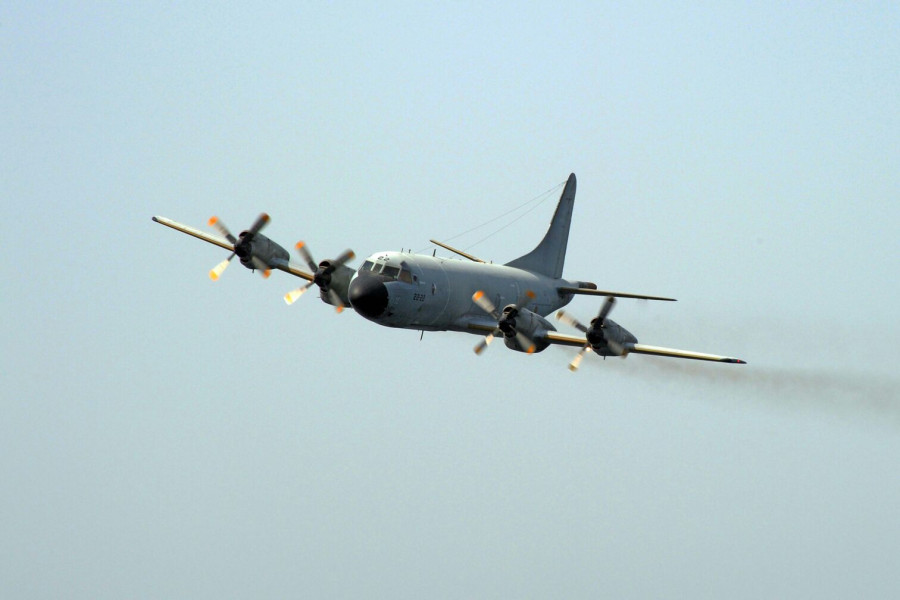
549, 256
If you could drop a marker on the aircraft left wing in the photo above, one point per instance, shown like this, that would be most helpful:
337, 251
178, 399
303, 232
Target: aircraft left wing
673, 353
287, 266
576, 341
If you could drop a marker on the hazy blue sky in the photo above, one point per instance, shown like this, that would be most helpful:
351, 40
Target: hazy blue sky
165, 436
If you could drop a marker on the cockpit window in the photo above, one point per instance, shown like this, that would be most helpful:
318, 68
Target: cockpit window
405, 276
367, 266
390, 271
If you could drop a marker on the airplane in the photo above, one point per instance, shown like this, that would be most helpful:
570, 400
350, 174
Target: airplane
431, 293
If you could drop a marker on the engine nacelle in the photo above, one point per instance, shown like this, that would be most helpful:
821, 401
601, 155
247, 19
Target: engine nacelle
599, 337
524, 321
338, 280
256, 245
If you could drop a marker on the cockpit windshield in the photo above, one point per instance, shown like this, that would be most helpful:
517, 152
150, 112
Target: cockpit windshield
401, 273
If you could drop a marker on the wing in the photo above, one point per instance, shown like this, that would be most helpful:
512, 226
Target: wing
282, 265
672, 352
201, 235
577, 341
562, 339
293, 268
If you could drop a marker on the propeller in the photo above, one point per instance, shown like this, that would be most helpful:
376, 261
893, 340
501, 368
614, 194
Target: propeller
506, 321
242, 246
596, 328
322, 273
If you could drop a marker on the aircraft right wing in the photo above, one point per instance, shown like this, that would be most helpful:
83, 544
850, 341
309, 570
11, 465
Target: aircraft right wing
202, 235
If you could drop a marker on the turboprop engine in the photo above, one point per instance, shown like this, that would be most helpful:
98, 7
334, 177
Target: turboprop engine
331, 275
522, 321
256, 251
604, 336
519, 326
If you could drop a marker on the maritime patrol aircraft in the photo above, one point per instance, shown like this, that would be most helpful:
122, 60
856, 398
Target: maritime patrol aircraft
430, 293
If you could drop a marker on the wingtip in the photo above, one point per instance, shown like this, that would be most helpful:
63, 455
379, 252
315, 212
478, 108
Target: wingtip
736, 361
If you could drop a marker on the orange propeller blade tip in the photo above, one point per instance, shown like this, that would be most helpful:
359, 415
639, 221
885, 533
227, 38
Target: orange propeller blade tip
299, 245
530, 294
339, 309
213, 275
477, 295
266, 273
531, 349
213, 220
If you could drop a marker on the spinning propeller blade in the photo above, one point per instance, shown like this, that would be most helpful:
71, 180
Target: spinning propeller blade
220, 227
216, 271
294, 295
573, 366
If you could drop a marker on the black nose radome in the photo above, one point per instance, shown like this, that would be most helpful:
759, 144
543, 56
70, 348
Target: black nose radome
368, 296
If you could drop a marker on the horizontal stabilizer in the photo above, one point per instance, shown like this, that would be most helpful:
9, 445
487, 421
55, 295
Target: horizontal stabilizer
590, 292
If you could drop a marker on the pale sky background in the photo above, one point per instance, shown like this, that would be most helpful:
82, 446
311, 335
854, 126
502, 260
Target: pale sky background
163, 436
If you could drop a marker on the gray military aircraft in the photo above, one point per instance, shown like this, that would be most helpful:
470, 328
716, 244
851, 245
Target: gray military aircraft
431, 293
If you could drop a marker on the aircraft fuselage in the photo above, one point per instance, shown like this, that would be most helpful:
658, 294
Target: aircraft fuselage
429, 293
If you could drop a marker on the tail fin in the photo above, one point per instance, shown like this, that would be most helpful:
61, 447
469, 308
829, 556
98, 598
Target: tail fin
549, 256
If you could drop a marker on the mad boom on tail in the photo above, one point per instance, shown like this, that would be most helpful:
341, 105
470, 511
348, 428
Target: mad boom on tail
429, 293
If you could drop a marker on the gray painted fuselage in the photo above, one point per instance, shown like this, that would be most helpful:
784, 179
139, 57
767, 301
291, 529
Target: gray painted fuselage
437, 296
